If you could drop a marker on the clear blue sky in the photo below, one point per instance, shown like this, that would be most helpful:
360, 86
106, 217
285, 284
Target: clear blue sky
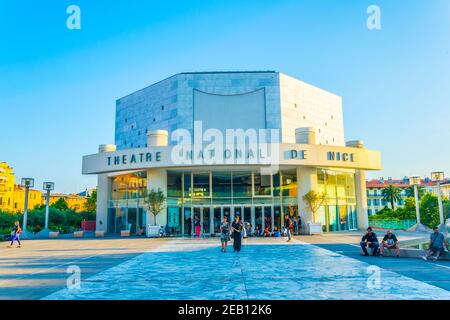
58, 87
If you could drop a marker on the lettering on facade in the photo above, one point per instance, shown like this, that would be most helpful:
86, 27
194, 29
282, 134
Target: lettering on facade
296, 154
341, 156
134, 158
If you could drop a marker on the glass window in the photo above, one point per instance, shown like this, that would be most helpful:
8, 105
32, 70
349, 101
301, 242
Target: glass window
201, 185
262, 185
128, 186
221, 184
242, 184
174, 184
187, 185
289, 184
276, 185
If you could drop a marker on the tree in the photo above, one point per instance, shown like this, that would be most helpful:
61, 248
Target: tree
154, 202
60, 204
409, 192
391, 194
429, 210
91, 202
314, 201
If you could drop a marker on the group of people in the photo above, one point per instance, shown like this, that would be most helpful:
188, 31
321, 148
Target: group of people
390, 242
236, 229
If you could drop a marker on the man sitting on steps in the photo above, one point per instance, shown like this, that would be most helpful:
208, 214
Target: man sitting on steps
369, 240
390, 242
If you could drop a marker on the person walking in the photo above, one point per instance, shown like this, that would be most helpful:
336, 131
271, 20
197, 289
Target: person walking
288, 227
295, 230
197, 226
16, 231
224, 234
237, 234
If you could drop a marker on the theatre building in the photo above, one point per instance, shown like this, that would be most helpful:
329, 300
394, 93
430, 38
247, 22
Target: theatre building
231, 143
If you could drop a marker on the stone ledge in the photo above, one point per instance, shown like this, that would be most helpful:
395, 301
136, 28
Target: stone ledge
410, 253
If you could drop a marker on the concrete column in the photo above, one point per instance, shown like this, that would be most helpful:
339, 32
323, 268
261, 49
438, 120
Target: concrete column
103, 195
307, 181
360, 189
305, 135
157, 178
157, 138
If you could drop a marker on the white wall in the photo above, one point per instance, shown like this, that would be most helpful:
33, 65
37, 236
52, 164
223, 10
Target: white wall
303, 105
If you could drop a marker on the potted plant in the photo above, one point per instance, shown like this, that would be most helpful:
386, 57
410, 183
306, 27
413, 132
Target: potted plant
154, 202
314, 200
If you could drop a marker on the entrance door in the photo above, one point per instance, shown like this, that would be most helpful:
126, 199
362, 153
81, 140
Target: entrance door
227, 213
259, 219
187, 222
217, 215
206, 221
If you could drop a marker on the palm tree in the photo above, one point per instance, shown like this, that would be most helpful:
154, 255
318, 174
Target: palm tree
392, 194
409, 192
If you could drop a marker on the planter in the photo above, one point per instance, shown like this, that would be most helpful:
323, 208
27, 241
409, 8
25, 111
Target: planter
78, 234
153, 231
125, 233
52, 234
314, 228
99, 234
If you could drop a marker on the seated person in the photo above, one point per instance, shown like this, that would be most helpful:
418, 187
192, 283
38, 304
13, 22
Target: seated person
390, 242
369, 240
277, 233
437, 242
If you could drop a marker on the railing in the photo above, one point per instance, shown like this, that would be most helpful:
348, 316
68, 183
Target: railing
392, 224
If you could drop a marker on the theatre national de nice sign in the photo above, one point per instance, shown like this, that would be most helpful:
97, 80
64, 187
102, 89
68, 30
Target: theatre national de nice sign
284, 154
148, 157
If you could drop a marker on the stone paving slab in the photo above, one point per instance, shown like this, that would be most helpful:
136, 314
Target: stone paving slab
183, 269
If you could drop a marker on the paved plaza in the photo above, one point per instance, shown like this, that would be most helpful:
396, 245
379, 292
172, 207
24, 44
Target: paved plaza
319, 267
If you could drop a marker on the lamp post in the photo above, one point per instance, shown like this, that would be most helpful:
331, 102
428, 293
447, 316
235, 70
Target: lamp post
415, 181
27, 183
48, 186
438, 176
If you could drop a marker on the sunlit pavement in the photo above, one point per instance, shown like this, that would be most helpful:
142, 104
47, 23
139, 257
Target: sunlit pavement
196, 269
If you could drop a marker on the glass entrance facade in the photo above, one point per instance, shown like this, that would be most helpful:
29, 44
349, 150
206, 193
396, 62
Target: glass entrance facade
198, 201
125, 206
260, 200
339, 212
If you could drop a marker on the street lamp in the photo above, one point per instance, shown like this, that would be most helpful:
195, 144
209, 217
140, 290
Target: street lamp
438, 176
415, 181
48, 186
27, 183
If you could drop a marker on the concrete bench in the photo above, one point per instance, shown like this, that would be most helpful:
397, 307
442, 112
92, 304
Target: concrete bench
99, 234
407, 253
78, 234
125, 233
53, 234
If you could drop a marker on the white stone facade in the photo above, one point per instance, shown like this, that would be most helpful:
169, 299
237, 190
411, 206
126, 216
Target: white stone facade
288, 104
